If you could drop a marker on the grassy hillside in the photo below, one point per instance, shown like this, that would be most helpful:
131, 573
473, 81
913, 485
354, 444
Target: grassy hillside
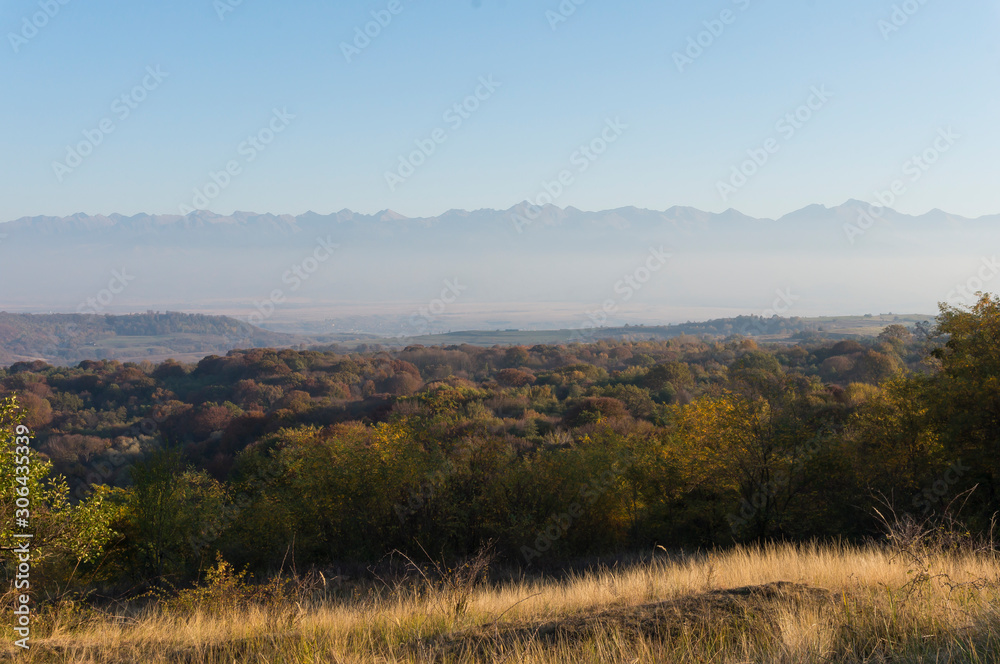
787, 604
67, 339
770, 329
435, 504
72, 338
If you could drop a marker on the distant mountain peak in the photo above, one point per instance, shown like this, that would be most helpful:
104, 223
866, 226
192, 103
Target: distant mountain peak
390, 215
547, 214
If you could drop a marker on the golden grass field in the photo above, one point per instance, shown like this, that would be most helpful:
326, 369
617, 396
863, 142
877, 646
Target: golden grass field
784, 603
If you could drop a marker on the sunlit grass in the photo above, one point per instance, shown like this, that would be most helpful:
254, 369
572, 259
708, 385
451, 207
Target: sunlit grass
872, 607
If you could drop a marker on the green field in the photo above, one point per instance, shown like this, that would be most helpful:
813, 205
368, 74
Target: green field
189, 338
833, 327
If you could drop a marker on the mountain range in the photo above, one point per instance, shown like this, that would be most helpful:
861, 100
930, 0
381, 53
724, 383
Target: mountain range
524, 267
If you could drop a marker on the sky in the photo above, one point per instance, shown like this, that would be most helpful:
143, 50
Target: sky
129, 107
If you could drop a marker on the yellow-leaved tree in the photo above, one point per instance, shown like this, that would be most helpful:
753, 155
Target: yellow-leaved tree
749, 446
64, 534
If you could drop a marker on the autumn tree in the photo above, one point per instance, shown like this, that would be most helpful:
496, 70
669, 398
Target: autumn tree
64, 534
964, 397
172, 515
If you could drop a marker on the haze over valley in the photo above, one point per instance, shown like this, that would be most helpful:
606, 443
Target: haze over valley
524, 268
499, 332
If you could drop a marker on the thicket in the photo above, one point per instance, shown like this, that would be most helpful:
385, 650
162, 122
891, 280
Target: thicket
278, 459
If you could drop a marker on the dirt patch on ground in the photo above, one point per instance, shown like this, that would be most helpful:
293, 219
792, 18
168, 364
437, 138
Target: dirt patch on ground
731, 610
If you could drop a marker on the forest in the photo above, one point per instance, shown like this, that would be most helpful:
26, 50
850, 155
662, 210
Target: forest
151, 473
72, 338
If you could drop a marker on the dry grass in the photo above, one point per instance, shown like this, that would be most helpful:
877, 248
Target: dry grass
776, 604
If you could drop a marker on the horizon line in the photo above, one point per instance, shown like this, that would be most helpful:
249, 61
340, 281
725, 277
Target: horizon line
382, 212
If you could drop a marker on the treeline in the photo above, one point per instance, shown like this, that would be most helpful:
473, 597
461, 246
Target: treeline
747, 326
551, 452
72, 337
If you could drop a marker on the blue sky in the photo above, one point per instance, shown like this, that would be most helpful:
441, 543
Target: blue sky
556, 89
